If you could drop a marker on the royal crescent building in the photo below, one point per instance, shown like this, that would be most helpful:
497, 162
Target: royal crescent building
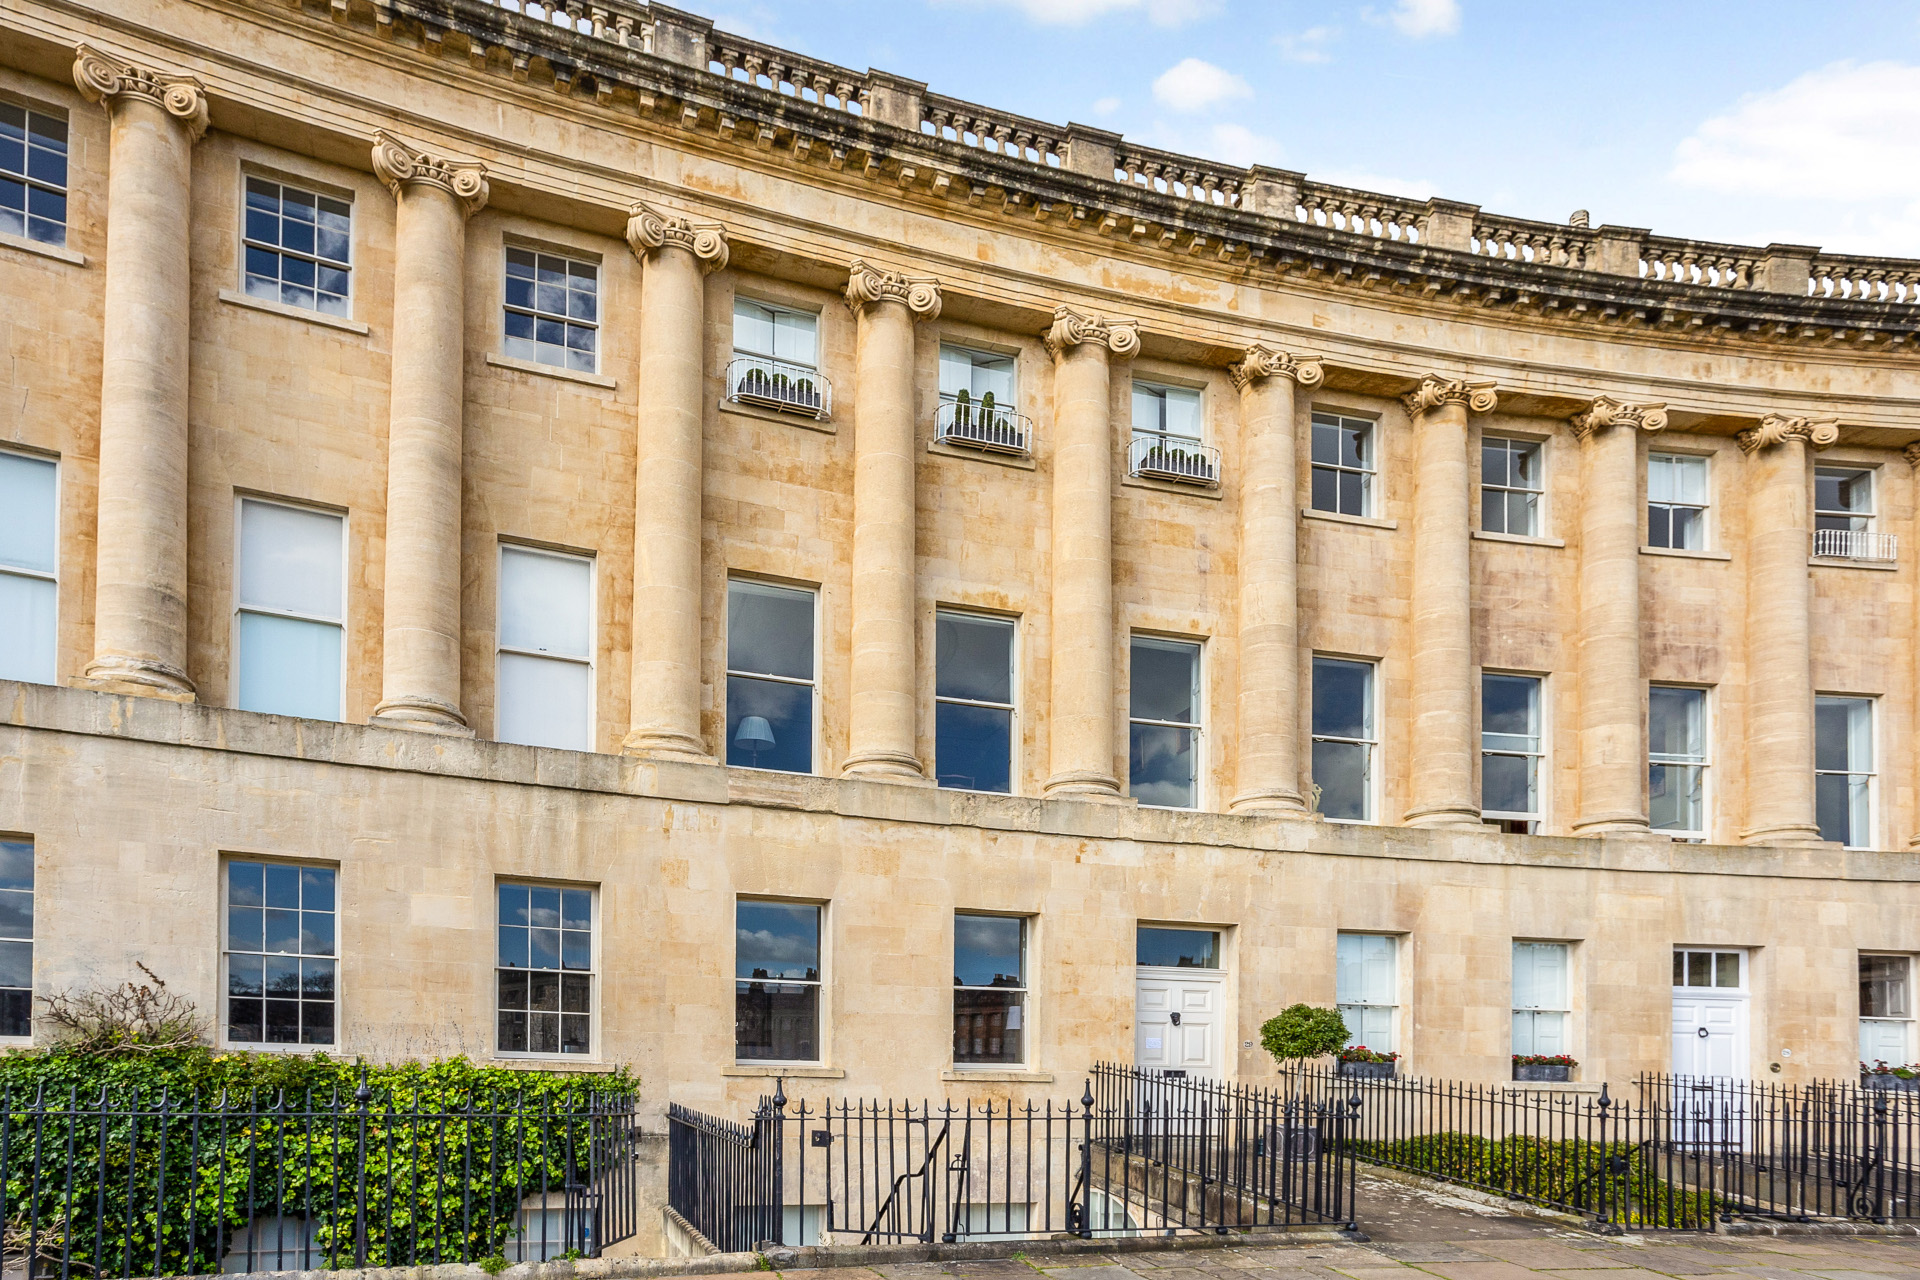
570, 537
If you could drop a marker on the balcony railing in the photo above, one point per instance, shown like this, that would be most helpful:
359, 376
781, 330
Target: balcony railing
1856, 544
1174, 458
982, 424
780, 385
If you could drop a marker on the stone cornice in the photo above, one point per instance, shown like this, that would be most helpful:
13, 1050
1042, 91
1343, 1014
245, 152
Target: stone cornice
1262, 362
649, 229
1606, 412
1777, 428
1435, 391
1071, 328
103, 78
399, 165
867, 284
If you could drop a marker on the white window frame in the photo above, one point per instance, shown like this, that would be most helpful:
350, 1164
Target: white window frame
221, 1019
33, 895
1345, 999
37, 575
590, 661
1369, 429
1012, 403
1371, 742
1680, 955
1197, 726
819, 983
1906, 1021
346, 577
319, 191
65, 189
1025, 989
1563, 1010
1704, 763
571, 258
1539, 755
1012, 708
1164, 433
1515, 444
595, 997
778, 308
1871, 773
1704, 507
1866, 517
814, 717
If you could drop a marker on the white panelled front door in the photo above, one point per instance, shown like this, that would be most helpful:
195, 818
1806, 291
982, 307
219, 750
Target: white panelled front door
1709, 1034
1176, 1021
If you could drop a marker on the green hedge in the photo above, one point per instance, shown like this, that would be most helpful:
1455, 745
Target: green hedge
191, 1146
1575, 1174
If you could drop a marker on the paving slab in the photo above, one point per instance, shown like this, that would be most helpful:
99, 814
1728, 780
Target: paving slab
1543, 1252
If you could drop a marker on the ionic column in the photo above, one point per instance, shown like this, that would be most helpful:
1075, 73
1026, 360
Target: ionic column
140, 591
1780, 792
1081, 729
1442, 749
1613, 732
1269, 762
881, 719
665, 687
421, 675
1912, 453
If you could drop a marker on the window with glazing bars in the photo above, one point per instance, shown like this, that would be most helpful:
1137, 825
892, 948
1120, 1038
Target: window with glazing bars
1511, 486
973, 701
1343, 465
282, 963
16, 937
29, 567
1843, 498
1343, 738
552, 310
544, 667
1677, 760
299, 247
1163, 747
1676, 501
1540, 1008
1511, 751
33, 173
1366, 988
545, 969
1720, 970
770, 676
290, 610
1886, 1010
1843, 769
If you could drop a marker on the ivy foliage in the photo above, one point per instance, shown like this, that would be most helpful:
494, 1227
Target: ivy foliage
150, 1165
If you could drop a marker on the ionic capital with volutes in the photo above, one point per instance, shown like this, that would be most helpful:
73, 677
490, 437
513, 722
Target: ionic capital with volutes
1606, 412
1262, 362
649, 229
867, 284
1778, 428
1912, 453
399, 166
103, 78
1070, 329
1435, 392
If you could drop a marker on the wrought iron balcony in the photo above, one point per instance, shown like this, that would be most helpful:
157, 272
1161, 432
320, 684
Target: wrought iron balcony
1856, 544
1174, 458
982, 424
780, 385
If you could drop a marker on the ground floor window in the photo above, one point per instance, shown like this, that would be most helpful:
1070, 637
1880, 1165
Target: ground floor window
281, 953
1886, 1010
545, 969
16, 938
776, 989
1541, 1015
1366, 986
989, 989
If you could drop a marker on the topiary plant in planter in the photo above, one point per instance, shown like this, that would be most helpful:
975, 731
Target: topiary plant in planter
1302, 1031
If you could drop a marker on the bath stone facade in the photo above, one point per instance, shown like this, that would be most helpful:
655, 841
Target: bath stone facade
563, 480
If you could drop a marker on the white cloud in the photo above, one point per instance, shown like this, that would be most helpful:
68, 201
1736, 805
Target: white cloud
1307, 46
1106, 106
1193, 85
1073, 13
1225, 142
1419, 19
1832, 157
1383, 184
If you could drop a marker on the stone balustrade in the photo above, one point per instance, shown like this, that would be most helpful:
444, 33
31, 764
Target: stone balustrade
808, 79
1837, 275
1544, 244
1365, 213
975, 126
1177, 175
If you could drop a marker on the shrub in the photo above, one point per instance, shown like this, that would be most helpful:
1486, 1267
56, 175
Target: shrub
1360, 1053
134, 1017
1543, 1060
1880, 1068
1302, 1031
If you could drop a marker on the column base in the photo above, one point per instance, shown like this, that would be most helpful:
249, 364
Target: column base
1614, 825
883, 766
666, 746
1451, 818
1082, 784
421, 715
1276, 804
1793, 835
137, 677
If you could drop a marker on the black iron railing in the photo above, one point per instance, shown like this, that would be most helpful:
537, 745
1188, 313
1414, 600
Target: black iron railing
1137, 1153
1669, 1152
158, 1184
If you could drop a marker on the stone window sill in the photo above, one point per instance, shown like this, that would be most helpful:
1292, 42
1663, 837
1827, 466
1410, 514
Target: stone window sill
1680, 553
1483, 536
783, 1070
550, 371
1836, 562
805, 423
238, 299
1210, 492
1014, 460
54, 251
1335, 517
548, 1062
994, 1075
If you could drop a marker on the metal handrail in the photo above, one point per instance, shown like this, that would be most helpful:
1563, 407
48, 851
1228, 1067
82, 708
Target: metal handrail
1176, 458
1856, 544
779, 385
982, 424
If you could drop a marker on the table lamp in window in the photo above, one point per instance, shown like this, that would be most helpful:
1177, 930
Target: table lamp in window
754, 736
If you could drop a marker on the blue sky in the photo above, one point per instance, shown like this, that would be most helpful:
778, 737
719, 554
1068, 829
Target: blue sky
1745, 122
